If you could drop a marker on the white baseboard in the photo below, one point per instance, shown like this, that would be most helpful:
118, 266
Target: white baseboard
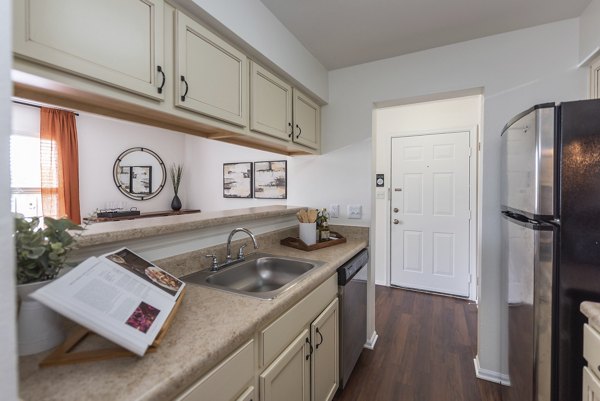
370, 344
383, 283
490, 375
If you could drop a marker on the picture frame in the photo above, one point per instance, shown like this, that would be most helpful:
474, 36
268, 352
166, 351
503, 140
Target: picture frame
237, 180
141, 180
270, 179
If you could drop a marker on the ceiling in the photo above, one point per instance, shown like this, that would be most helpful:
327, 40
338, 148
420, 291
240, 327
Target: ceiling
341, 33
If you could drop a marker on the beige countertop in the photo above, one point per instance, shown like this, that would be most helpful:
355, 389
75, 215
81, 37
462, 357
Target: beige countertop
592, 311
127, 230
209, 325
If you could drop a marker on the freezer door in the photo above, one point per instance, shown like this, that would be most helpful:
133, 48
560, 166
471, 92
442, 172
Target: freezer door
527, 260
527, 159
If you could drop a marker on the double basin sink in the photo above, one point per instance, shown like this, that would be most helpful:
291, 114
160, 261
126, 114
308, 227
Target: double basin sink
260, 275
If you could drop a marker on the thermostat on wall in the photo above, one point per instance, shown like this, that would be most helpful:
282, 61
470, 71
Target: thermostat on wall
379, 180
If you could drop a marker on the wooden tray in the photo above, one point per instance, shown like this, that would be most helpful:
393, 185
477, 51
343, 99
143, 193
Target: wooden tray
299, 244
64, 354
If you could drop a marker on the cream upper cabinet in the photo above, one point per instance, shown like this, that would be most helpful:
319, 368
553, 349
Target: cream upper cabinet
307, 120
324, 361
117, 42
288, 377
270, 103
212, 76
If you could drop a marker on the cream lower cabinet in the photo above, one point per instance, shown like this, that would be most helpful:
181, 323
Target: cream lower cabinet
325, 359
308, 368
231, 380
591, 386
288, 377
117, 42
300, 349
212, 75
591, 372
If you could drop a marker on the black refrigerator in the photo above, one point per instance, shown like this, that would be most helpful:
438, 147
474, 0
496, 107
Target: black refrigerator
550, 200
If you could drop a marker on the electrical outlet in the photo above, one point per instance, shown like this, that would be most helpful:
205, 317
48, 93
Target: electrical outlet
334, 211
354, 211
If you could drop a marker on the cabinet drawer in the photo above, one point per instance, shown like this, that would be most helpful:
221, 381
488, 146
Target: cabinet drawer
591, 386
227, 381
282, 331
591, 348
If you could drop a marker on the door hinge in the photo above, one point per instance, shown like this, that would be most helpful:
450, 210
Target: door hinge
470, 152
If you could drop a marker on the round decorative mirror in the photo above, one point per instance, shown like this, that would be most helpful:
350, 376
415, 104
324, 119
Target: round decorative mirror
139, 173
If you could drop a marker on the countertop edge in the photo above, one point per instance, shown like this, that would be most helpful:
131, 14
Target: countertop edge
121, 230
591, 310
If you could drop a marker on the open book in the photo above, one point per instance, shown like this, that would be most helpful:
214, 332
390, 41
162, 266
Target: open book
119, 296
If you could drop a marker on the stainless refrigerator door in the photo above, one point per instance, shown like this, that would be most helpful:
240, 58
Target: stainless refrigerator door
527, 174
527, 258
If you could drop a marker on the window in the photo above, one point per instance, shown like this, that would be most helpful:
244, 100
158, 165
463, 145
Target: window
25, 176
25, 181
595, 79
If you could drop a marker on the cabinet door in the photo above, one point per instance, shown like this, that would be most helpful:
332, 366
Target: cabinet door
270, 103
212, 76
118, 42
591, 386
288, 377
307, 121
325, 359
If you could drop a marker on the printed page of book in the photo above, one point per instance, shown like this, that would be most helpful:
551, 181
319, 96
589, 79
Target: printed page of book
146, 271
110, 301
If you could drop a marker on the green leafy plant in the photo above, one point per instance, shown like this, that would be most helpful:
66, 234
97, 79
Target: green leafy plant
176, 173
42, 250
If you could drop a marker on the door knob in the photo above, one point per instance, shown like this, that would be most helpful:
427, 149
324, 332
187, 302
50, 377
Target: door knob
396, 210
396, 221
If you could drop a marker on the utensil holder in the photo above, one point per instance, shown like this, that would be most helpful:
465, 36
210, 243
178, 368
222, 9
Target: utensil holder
308, 233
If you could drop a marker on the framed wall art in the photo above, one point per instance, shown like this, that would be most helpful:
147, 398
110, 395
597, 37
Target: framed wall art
237, 180
270, 180
141, 180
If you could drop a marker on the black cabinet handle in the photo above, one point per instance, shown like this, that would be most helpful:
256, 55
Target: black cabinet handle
291, 134
164, 78
311, 348
298, 136
186, 88
320, 335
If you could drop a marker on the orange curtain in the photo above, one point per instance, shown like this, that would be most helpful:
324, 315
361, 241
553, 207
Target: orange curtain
59, 158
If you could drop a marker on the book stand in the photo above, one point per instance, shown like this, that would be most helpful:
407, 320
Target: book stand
64, 354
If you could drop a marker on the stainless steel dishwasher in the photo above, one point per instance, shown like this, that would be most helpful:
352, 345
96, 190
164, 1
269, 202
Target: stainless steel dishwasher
352, 289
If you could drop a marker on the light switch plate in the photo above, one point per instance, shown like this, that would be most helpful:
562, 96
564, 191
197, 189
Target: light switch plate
334, 211
354, 211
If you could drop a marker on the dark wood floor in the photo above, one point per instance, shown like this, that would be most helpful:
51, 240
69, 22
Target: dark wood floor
424, 352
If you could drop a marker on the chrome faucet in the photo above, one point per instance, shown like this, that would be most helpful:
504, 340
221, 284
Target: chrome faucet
241, 252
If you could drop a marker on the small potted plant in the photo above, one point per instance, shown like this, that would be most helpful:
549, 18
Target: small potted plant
176, 174
41, 253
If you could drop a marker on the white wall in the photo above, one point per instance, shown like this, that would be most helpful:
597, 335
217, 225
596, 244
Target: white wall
589, 30
8, 361
413, 119
516, 70
253, 23
101, 141
341, 176
204, 173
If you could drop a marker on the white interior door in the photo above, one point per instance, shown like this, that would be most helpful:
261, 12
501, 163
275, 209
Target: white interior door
430, 212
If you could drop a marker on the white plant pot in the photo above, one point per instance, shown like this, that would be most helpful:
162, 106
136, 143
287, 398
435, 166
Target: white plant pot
40, 328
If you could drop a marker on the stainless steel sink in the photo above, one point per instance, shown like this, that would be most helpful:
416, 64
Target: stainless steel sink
260, 275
